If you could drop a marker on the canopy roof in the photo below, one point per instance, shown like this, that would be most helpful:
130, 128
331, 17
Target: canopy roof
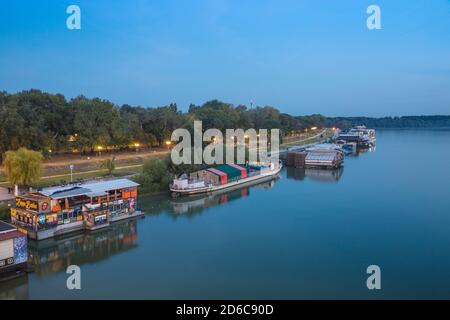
91, 189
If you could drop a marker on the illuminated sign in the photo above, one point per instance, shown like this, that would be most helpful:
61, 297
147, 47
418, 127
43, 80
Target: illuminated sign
27, 204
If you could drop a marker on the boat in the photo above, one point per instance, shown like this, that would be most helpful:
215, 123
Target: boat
328, 146
363, 137
227, 176
56, 211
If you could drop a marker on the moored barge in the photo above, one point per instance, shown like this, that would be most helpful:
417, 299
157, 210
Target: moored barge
223, 177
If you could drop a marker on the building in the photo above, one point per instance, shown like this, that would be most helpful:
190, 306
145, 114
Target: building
59, 210
13, 251
329, 159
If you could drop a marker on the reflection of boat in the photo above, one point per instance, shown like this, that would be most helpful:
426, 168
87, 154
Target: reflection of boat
15, 289
324, 175
196, 204
228, 176
315, 174
57, 254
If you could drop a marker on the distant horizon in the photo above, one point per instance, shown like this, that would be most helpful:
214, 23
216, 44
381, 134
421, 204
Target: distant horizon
185, 109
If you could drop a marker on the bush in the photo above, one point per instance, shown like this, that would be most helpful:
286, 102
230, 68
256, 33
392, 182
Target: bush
155, 176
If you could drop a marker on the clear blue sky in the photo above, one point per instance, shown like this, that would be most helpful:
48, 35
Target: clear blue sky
302, 57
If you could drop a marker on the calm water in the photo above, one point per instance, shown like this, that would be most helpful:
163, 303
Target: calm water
310, 234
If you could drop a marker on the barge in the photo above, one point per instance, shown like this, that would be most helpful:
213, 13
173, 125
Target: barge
55, 211
363, 137
316, 158
227, 176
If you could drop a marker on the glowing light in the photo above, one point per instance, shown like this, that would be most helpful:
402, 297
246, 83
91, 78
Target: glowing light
314, 128
168, 142
136, 144
99, 148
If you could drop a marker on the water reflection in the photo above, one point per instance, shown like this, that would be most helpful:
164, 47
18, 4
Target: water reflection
15, 289
195, 205
53, 255
320, 175
192, 206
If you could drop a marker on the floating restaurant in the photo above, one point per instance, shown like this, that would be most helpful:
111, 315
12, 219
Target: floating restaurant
59, 210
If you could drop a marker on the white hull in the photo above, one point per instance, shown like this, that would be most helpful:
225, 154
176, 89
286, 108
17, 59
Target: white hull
260, 177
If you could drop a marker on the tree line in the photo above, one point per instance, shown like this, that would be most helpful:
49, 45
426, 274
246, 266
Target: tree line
50, 123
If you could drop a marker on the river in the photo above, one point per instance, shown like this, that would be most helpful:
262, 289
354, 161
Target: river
310, 234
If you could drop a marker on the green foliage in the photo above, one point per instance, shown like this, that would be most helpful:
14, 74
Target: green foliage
155, 176
23, 167
5, 214
41, 121
109, 165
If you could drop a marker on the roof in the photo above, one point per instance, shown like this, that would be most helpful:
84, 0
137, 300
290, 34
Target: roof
321, 155
237, 167
91, 189
5, 227
216, 172
11, 235
231, 171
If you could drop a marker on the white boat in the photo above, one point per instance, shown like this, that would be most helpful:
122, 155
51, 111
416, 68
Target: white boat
185, 186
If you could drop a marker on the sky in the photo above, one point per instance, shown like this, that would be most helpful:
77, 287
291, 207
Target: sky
302, 57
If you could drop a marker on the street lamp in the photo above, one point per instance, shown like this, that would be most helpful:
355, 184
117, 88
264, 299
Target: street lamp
71, 172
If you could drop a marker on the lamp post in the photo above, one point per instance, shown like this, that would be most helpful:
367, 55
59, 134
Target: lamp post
71, 172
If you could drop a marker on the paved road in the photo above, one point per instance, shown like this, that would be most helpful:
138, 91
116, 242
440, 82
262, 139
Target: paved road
4, 195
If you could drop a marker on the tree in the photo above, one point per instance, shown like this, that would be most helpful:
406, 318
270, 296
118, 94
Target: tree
97, 123
23, 167
155, 176
108, 164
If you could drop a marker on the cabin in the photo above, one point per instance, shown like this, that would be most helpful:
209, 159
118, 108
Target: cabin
13, 251
54, 211
327, 159
220, 175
